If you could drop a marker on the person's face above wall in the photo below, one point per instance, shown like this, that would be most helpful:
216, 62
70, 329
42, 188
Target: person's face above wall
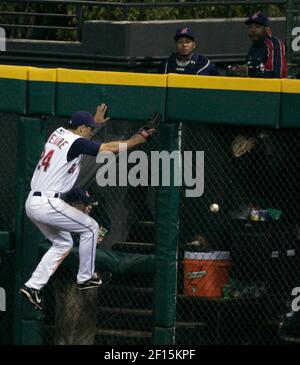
257, 32
185, 47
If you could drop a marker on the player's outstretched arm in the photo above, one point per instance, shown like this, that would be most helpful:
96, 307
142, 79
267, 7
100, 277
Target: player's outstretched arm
142, 135
119, 146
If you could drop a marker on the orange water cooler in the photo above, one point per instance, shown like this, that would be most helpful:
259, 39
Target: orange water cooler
206, 273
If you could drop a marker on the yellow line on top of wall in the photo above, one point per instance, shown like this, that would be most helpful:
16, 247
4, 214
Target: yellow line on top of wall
111, 78
14, 72
291, 86
153, 80
224, 83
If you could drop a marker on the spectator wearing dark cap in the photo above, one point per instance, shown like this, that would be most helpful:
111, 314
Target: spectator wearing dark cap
266, 57
80, 199
184, 60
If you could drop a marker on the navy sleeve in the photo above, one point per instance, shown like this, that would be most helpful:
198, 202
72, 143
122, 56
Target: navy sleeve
279, 62
276, 65
163, 67
213, 71
82, 146
205, 68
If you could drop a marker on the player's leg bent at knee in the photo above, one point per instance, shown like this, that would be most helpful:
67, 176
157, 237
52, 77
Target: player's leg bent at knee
47, 266
72, 220
61, 217
87, 251
61, 246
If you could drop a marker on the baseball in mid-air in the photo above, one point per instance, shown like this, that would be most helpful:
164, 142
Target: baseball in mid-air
214, 207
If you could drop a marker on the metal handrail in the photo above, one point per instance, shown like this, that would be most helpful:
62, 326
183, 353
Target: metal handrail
290, 8
36, 14
154, 4
125, 6
27, 26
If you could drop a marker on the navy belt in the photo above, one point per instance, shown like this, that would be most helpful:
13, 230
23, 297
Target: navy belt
39, 193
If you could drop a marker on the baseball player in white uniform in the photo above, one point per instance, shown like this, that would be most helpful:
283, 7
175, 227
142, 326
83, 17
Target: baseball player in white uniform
55, 174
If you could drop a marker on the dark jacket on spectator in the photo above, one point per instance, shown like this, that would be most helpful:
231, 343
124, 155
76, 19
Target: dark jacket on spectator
267, 59
198, 65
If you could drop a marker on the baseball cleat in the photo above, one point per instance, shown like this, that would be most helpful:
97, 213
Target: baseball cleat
33, 296
89, 284
96, 278
95, 281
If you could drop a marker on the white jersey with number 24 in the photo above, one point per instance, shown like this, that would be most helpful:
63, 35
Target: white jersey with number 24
53, 172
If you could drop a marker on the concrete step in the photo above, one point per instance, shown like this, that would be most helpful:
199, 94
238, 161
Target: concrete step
132, 280
125, 318
126, 296
122, 337
144, 248
142, 231
191, 333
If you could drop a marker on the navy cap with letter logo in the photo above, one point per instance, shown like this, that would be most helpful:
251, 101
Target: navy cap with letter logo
259, 18
83, 117
184, 32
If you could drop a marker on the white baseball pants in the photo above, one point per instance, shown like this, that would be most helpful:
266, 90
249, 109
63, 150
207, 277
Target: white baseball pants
56, 219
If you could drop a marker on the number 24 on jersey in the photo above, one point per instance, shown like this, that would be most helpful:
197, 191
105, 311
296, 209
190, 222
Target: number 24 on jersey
45, 160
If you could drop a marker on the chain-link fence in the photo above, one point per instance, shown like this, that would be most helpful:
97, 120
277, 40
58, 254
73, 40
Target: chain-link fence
237, 265
239, 258
121, 311
7, 302
8, 167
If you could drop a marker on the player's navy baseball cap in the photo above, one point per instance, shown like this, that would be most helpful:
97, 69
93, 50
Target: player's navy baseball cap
259, 18
184, 32
80, 195
82, 117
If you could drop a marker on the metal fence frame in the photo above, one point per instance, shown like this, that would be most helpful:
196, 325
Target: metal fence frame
291, 10
28, 240
131, 63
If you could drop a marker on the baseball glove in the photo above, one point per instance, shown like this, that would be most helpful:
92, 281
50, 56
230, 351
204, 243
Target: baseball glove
103, 232
147, 130
241, 145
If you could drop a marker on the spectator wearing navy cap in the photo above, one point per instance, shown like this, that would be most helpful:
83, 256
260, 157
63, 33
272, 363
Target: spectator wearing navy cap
266, 57
184, 60
80, 199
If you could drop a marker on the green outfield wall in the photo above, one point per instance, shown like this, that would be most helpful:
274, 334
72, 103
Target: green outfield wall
132, 96
34, 92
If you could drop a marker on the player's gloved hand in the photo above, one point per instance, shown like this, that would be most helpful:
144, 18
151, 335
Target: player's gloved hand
147, 130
